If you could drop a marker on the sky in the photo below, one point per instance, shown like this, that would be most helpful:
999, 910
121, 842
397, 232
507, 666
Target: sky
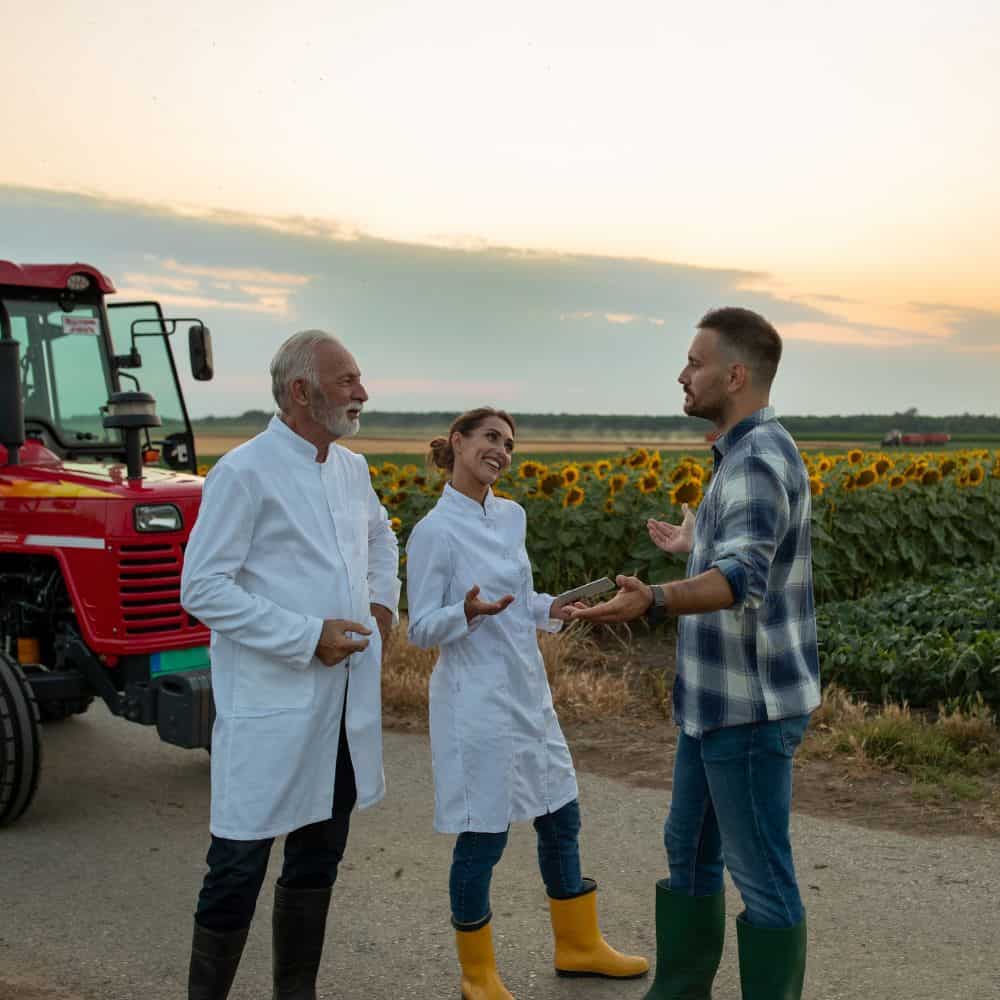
531, 204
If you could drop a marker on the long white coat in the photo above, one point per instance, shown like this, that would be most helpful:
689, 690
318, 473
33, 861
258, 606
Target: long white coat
281, 543
498, 752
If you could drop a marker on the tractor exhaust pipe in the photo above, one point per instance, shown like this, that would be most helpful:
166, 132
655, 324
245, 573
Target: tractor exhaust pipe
11, 403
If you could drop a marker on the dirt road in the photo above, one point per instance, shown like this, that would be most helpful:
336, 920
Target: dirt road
98, 880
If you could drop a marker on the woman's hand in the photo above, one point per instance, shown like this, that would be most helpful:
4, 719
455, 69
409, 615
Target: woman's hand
675, 538
474, 607
563, 612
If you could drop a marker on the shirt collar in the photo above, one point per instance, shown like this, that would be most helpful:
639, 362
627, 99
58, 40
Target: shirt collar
740, 430
463, 504
289, 439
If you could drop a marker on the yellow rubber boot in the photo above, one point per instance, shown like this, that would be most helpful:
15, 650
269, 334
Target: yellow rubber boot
480, 979
580, 947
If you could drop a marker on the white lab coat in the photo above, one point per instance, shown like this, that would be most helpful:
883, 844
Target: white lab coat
498, 753
281, 543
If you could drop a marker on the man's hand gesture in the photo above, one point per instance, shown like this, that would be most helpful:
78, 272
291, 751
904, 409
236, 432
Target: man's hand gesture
335, 644
631, 601
676, 538
475, 607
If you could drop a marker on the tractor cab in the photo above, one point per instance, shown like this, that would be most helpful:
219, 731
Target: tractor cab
98, 495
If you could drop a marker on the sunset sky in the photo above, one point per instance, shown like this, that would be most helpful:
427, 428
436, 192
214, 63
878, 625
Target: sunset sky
529, 203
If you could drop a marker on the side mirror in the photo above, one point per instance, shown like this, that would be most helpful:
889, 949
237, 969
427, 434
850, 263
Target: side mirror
200, 347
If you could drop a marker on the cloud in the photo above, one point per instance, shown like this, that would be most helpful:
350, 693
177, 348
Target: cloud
614, 318
971, 329
257, 289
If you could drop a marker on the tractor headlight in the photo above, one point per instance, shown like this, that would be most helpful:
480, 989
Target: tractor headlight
158, 517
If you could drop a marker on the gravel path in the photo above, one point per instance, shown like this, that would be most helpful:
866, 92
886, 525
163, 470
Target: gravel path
98, 881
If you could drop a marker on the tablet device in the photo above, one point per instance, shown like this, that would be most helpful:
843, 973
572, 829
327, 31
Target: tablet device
591, 589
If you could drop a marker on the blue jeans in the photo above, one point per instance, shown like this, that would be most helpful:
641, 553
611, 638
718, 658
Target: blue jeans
476, 854
731, 803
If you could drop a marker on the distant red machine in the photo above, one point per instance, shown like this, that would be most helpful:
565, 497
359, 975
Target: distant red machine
898, 438
91, 534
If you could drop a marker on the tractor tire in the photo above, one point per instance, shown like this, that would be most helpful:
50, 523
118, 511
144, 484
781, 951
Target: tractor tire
20, 742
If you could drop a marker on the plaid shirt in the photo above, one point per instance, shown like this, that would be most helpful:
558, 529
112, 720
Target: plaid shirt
757, 660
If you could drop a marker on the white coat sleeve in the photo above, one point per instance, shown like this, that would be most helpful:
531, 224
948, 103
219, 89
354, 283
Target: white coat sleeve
540, 604
383, 556
214, 557
428, 573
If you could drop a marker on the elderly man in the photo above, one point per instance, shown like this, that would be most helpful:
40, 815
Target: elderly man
293, 566
747, 675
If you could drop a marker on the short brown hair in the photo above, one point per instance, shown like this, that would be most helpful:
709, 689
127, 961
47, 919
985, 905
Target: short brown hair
441, 453
749, 336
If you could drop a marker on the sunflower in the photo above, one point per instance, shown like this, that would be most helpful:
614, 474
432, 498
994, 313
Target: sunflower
390, 469
866, 477
882, 465
948, 466
573, 497
601, 468
409, 470
850, 483
896, 481
373, 471
854, 456
649, 483
655, 462
570, 475
396, 499
395, 523
976, 475
695, 471
639, 459
531, 470
825, 465
503, 494
550, 483
688, 492
816, 486
617, 483
679, 474
930, 477
609, 506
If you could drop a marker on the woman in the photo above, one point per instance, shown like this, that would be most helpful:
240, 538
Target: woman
498, 753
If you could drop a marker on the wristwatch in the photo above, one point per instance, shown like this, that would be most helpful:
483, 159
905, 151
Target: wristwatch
657, 611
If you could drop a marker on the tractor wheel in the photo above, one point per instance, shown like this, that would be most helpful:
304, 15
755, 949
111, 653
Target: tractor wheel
20, 742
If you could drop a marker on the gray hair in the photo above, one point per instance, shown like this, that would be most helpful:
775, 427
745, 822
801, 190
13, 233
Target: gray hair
296, 358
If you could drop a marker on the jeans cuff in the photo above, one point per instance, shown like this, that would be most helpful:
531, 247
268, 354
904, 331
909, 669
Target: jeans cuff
473, 925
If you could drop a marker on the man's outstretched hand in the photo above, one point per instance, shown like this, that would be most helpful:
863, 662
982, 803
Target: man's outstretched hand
336, 645
631, 602
475, 607
676, 538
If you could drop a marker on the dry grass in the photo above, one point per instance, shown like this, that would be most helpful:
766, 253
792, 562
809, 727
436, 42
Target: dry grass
583, 684
946, 753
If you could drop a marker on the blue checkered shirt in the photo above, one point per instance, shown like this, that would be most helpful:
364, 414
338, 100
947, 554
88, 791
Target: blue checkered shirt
757, 660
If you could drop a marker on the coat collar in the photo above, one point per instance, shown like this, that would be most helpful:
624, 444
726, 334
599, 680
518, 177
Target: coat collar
293, 442
461, 504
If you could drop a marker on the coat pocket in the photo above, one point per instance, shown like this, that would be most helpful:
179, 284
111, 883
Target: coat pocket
265, 684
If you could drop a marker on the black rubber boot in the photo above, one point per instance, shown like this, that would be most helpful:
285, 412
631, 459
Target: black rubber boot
215, 956
298, 931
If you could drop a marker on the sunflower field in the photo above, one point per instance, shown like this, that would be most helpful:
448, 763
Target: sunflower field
877, 518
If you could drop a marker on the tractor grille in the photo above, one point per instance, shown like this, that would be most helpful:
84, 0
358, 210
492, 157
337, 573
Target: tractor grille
149, 587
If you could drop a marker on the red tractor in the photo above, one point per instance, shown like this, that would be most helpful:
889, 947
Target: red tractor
98, 494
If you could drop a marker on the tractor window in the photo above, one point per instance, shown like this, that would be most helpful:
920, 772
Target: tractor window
156, 375
65, 378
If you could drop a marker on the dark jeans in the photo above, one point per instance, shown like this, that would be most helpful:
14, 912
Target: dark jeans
476, 854
730, 805
236, 868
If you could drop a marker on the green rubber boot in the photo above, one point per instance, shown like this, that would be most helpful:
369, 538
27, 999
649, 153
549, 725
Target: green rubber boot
690, 931
772, 961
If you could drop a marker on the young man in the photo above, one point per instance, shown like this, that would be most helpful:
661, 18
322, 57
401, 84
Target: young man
747, 675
